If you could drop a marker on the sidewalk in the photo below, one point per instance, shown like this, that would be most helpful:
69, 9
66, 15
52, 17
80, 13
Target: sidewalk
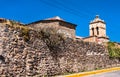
91, 72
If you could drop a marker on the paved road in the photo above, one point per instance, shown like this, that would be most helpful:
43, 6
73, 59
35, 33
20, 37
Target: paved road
109, 74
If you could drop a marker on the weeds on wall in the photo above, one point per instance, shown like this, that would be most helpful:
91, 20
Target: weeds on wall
24, 30
51, 37
114, 50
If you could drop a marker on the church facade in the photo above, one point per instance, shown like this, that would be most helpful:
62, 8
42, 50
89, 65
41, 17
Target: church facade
97, 31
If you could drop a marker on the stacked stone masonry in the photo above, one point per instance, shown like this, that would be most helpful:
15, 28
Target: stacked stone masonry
35, 59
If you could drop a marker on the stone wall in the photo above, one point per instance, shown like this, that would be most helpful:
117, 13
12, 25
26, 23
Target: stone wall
90, 39
95, 39
39, 56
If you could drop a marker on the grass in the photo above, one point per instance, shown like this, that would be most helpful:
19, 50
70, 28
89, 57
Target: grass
114, 50
24, 30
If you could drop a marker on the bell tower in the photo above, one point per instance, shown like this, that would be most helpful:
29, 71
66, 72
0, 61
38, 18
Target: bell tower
97, 31
97, 27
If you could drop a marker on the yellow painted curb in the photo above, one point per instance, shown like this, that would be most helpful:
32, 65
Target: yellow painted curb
92, 72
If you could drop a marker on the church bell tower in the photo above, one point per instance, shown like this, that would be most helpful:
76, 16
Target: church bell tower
97, 31
97, 27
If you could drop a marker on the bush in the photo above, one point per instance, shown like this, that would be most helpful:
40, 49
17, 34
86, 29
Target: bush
51, 37
114, 51
52, 40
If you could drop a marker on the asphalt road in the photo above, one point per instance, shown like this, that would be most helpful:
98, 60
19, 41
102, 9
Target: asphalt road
108, 74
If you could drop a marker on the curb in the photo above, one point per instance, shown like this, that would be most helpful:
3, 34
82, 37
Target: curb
91, 72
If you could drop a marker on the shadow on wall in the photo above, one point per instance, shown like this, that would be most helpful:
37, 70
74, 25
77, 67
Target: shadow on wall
2, 59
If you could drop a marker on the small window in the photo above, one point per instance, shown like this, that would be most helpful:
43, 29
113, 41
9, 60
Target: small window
97, 30
93, 31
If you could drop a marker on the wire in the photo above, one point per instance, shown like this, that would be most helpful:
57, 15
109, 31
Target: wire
66, 9
59, 5
75, 10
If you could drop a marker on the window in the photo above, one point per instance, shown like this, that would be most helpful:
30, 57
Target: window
93, 31
97, 30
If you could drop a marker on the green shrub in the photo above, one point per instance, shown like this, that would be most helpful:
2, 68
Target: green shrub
114, 51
